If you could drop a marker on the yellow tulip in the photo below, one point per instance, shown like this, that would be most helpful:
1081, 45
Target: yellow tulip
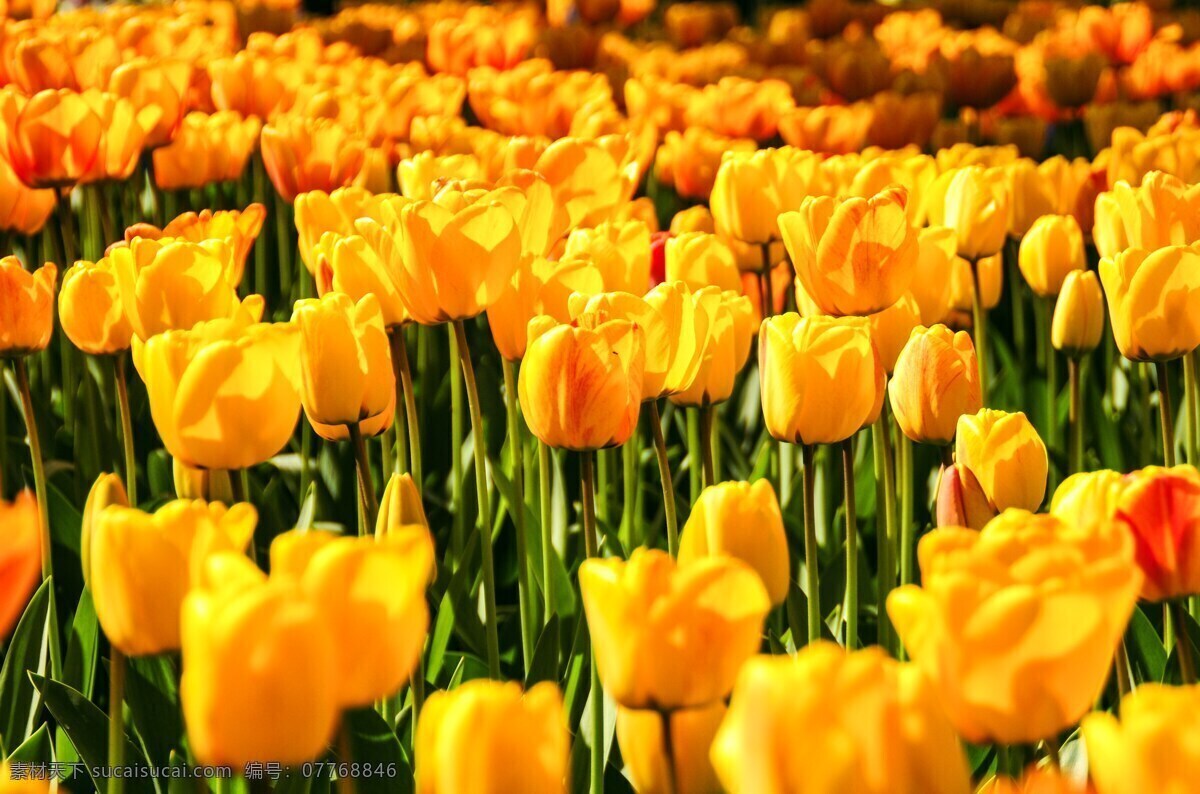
207, 148
539, 286
962, 282
245, 698
621, 252
1052, 248
1149, 746
689, 160
1108, 228
159, 83
124, 135
854, 257
1088, 498
701, 259
975, 206
730, 334
935, 266
419, 176
318, 213
108, 489
90, 309
239, 228
891, 328
1154, 301
142, 565
302, 154
1035, 780
1016, 625
687, 770
668, 637
192, 483
1006, 455
540, 219
837, 722
581, 388
345, 366
936, 381
225, 394
822, 380
1161, 211
1078, 321
741, 520
588, 180
27, 317
753, 188
347, 264
486, 737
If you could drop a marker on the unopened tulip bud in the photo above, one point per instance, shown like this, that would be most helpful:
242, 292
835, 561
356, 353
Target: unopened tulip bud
961, 501
108, 489
1078, 314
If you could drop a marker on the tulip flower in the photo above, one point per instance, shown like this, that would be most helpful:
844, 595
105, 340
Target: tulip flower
621, 252
248, 83
486, 737
53, 137
670, 637
854, 257
1161, 509
143, 564
207, 148
975, 205
162, 84
245, 699
1078, 320
302, 154
936, 381
752, 189
701, 259
961, 501
1035, 780
23, 210
838, 721
1088, 498
420, 175
689, 160
995, 674
934, 268
402, 515
1052, 248
27, 317
123, 135
741, 520
989, 272
891, 328
539, 286
1160, 212
730, 334
238, 228
108, 489
90, 309
1006, 455
587, 179
742, 108
1147, 747
1154, 301
686, 769
20, 561
318, 213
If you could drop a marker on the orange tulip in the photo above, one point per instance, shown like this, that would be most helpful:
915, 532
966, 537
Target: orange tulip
206, 148
20, 559
53, 138
22, 209
303, 154
249, 83
689, 160
162, 84
239, 228
26, 307
1161, 509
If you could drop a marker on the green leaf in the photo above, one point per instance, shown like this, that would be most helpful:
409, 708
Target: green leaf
457, 614
29, 649
79, 669
1147, 656
153, 699
544, 666
36, 749
374, 745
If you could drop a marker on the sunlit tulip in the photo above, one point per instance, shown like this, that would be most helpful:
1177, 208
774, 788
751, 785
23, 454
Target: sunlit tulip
730, 335
1078, 321
837, 722
90, 309
689, 160
975, 206
53, 138
539, 286
588, 180
124, 135
345, 366
486, 737
451, 258
420, 176
742, 520
1161, 509
822, 380
26, 307
891, 328
741, 108
162, 84
855, 256
1159, 212
694, 219
1006, 455
751, 190
207, 148
193, 483
581, 388
700, 259
224, 394
402, 515
303, 154
248, 83
1153, 301
108, 489
245, 698
935, 266
142, 565
620, 251
977, 625
239, 228
1051, 249
1088, 498
21, 558
23, 210
1055, 186
668, 637
540, 219
687, 770
1148, 747
961, 501
936, 381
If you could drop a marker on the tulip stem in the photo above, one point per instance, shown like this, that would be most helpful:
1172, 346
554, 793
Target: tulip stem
1183, 643
1052, 753
979, 328
516, 459
366, 487
39, 466
695, 455
904, 451
885, 525
592, 549
668, 484
126, 429
787, 473
458, 529
1075, 417
851, 545
546, 519
481, 490
706, 444
668, 746
768, 289
812, 580
66, 227
1164, 411
1193, 407
1051, 391
404, 379
631, 484
116, 718
1121, 662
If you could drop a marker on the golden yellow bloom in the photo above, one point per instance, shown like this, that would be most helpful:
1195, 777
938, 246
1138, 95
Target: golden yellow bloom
345, 366
1088, 498
752, 189
142, 565
1078, 320
854, 257
486, 737
731, 321
108, 489
21, 557
224, 394
670, 637
540, 219
1159, 212
742, 520
694, 219
90, 309
402, 516
1051, 249
239, 228
975, 205
936, 381
1035, 780
581, 388
977, 625
302, 154
206, 148
421, 176
318, 213
1006, 455
822, 380
22, 209
838, 722
1108, 228
124, 135
539, 286
962, 283
589, 180
52, 138
244, 696
891, 328
1153, 301
689, 160
1149, 747
935, 267
700, 259
159, 83
249, 83
27, 313
620, 250
640, 734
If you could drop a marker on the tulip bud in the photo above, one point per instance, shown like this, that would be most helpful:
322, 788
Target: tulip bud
752, 189
21, 556
90, 309
976, 207
640, 735
1052, 248
1006, 455
1078, 315
1155, 721
28, 299
961, 501
108, 489
936, 381
1088, 498
700, 260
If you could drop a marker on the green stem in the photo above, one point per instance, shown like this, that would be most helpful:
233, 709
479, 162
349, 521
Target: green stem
706, 443
404, 380
1003, 760
458, 530
905, 486
787, 473
885, 526
366, 487
851, 545
1164, 411
306, 441
481, 491
603, 469
1075, 417
668, 483
591, 549
1183, 643
1052, 754
516, 460
1121, 662
39, 466
116, 718
1051, 390
979, 328
126, 430
1193, 407
812, 577
630, 485
545, 509
695, 454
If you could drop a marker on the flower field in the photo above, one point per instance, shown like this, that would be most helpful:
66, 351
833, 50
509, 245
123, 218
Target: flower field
600, 396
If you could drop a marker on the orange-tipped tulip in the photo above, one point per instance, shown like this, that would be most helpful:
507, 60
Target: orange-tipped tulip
936, 381
53, 138
302, 154
1161, 510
